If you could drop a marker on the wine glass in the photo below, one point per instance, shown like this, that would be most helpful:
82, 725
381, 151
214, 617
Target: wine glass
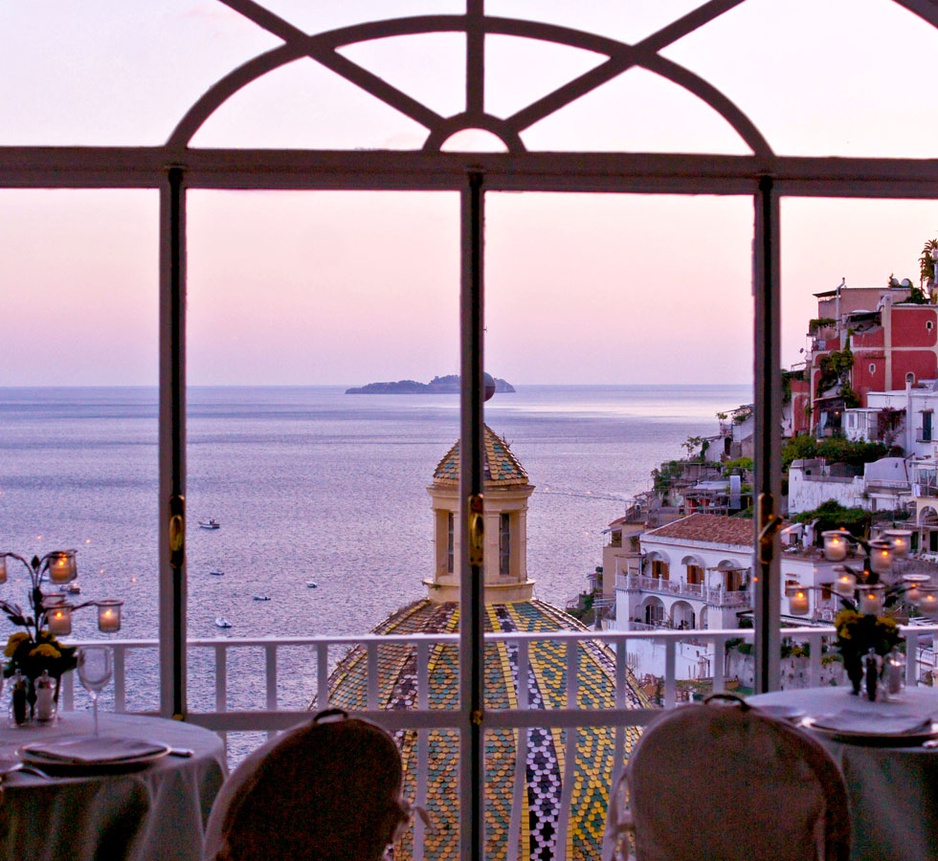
94, 672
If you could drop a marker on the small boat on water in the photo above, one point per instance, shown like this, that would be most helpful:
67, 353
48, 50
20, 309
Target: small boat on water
211, 523
311, 584
261, 597
217, 573
222, 622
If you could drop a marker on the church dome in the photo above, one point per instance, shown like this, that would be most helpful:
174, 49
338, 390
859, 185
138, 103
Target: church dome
502, 468
544, 755
509, 608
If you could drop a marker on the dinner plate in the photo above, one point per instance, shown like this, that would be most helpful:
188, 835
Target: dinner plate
782, 712
93, 754
879, 739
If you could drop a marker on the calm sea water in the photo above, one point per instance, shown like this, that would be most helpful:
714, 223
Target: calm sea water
311, 484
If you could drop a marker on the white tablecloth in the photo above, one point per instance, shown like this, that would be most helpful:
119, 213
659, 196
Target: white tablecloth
893, 791
156, 813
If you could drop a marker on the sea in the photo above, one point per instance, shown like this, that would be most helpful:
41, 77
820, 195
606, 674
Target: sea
311, 485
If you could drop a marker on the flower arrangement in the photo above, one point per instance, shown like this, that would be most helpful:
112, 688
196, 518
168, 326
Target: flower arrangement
31, 654
34, 648
857, 633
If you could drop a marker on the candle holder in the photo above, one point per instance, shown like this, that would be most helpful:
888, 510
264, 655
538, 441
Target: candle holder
35, 650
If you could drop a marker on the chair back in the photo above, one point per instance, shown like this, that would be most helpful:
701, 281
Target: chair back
712, 781
327, 790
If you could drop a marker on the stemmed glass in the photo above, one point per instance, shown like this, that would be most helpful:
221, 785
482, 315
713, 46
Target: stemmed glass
94, 672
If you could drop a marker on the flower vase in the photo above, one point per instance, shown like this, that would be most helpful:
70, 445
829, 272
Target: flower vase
854, 669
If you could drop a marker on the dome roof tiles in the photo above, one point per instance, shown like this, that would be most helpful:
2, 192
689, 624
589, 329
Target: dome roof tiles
502, 468
544, 755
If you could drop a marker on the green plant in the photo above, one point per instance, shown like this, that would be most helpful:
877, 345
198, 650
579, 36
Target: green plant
835, 369
818, 323
832, 515
926, 264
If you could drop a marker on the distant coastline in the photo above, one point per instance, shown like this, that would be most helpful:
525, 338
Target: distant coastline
448, 385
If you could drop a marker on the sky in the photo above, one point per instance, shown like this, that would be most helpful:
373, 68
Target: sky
348, 288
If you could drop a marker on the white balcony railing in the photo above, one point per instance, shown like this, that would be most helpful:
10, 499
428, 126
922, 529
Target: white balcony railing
695, 591
266, 713
221, 667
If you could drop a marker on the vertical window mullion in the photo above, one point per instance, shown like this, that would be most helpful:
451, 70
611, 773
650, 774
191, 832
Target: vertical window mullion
768, 466
172, 454
471, 519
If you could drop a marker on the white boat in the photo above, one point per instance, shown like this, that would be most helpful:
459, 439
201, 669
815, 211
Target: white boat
261, 597
217, 573
222, 622
310, 584
211, 523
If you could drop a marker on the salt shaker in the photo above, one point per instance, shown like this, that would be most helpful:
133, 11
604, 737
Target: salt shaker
45, 697
894, 673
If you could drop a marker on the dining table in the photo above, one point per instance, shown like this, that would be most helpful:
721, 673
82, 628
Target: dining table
152, 805
885, 753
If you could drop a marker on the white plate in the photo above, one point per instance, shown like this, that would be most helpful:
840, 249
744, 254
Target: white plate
786, 713
907, 739
35, 754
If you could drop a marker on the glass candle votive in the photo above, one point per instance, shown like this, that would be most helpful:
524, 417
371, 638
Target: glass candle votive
928, 603
836, 544
901, 541
871, 599
914, 584
59, 619
845, 584
62, 566
798, 602
880, 556
109, 616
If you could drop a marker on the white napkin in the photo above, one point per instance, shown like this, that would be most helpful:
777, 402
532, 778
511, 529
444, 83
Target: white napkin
873, 723
94, 749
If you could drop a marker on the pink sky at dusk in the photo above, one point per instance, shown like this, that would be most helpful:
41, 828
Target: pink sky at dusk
346, 288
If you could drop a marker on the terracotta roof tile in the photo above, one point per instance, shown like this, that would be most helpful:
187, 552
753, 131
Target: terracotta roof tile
709, 527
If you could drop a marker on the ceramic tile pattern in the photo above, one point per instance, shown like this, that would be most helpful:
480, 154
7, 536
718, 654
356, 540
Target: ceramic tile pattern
543, 768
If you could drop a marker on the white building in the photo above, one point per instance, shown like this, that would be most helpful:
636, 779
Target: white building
693, 573
884, 485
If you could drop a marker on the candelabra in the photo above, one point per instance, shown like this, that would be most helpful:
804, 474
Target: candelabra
864, 590
52, 610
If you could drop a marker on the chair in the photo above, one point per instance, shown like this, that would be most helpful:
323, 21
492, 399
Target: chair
328, 790
715, 781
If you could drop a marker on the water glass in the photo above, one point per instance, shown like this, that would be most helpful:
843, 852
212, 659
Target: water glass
94, 672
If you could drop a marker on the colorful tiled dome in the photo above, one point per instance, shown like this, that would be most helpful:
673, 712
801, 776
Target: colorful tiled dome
502, 468
546, 689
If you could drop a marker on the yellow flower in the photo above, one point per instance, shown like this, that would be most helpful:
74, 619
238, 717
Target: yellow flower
13, 642
45, 651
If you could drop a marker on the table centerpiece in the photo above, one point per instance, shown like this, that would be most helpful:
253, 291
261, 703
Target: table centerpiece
35, 656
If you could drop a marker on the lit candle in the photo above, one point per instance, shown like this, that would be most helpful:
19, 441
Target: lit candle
914, 591
928, 603
109, 616
59, 617
871, 599
880, 556
901, 541
62, 566
845, 584
3, 568
798, 602
835, 545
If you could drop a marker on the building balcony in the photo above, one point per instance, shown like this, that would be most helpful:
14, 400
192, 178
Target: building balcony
678, 588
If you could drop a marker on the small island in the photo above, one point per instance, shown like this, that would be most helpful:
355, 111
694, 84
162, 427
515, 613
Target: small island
448, 385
